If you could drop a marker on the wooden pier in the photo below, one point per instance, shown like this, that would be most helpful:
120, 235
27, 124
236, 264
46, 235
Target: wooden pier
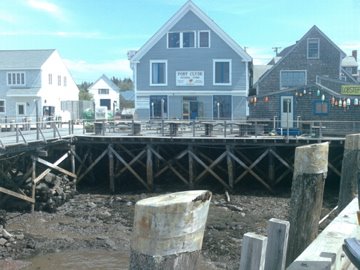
225, 156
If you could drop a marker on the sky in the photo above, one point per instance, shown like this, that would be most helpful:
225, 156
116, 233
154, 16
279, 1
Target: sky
94, 36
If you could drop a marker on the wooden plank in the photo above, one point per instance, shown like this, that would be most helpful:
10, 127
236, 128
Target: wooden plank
277, 233
55, 167
44, 173
17, 195
253, 252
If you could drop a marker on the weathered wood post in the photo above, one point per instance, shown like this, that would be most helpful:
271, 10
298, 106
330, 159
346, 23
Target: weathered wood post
168, 231
253, 252
278, 234
310, 171
350, 170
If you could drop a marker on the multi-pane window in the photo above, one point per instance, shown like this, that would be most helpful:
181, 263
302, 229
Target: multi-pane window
16, 78
292, 78
181, 39
20, 108
204, 39
222, 72
188, 39
321, 107
103, 91
174, 40
2, 106
50, 79
59, 80
158, 72
65, 81
313, 48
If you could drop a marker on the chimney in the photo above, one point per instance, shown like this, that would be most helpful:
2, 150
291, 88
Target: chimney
354, 54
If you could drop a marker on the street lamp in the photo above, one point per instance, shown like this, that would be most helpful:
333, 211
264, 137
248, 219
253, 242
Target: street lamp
114, 106
152, 110
162, 108
37, 119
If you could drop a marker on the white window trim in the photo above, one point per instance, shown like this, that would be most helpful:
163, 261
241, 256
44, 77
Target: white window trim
17, 108
307, 48
166, 72
16, 72
230, 71
181, 41
204, 31
4, 106
289, 70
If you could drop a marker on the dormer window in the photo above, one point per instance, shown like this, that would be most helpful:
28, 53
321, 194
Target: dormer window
313, 48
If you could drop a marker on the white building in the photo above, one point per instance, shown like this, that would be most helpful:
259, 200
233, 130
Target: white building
34, 81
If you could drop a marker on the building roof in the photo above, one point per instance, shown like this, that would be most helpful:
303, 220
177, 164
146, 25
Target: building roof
107, 81
349, 61
189, 6
23, 59
259, 70
128, 95
289, 49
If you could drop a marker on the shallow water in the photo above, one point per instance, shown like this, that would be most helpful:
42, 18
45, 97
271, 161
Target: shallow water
80, 260
88, 260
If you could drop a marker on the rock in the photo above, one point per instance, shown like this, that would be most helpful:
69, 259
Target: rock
6, 234
3, 241
91, 205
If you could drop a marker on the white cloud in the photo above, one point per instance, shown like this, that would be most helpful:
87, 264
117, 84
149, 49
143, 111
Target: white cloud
82, 70
261, 56
8, 18
47, 7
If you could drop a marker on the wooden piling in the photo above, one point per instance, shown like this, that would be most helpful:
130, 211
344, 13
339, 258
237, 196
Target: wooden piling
278, 234
149, 168
168, 231
350, 171
111, 168
253, 252
310, 170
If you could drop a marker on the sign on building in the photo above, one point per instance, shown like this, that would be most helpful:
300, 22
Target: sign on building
351, 90
189, 78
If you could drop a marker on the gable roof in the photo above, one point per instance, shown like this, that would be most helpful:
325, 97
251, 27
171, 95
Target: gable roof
189, 6
107, 81
288, 50
23, 59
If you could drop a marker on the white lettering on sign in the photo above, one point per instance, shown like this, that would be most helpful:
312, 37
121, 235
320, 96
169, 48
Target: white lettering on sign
189, 78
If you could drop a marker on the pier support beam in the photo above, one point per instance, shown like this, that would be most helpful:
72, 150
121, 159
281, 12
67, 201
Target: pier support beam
311, 165
168, 231
350, 171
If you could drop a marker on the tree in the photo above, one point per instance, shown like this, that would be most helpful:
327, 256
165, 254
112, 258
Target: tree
84, 93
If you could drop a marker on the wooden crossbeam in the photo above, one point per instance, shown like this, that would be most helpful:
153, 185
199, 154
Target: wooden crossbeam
333, 168
136, 158
208, 168
251, 171
252, 165
168, 164
92, 165
55, 167
129, 168
44, 173
127, 151
17, 195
